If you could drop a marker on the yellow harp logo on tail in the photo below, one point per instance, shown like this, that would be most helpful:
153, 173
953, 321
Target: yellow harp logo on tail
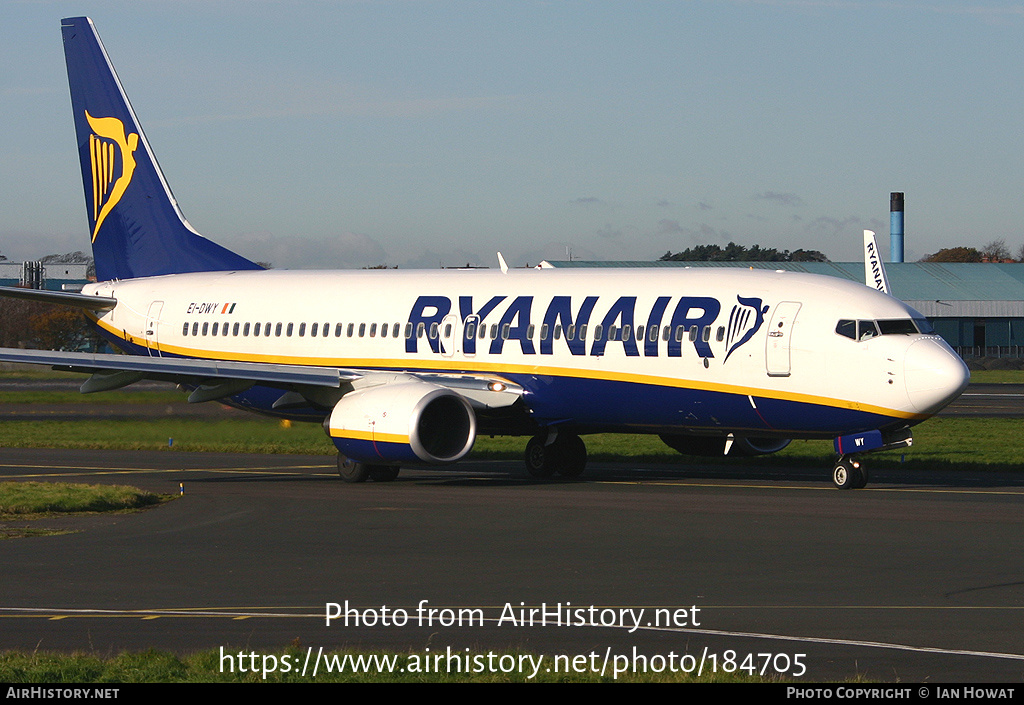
108, 146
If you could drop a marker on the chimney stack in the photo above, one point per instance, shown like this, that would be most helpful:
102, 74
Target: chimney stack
896, 226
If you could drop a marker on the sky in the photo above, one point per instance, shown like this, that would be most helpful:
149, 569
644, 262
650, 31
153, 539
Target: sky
426, 133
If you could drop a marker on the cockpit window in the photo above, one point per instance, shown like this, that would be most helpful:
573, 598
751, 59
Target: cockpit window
847, 329
866, 330
924, 326
898, 326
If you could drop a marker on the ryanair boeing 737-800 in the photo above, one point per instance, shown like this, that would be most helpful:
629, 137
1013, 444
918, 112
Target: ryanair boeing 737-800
408, 367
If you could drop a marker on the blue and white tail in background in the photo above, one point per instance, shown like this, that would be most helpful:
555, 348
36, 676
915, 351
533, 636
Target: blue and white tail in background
134, 221
874, 270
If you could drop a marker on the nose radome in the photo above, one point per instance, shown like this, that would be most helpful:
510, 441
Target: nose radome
934, 374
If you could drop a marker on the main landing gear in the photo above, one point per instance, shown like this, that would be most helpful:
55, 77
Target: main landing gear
352, 471
849, 473
562, 453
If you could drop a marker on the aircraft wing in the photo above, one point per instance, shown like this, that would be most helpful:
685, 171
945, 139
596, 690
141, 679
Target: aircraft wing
185, 370
216, 379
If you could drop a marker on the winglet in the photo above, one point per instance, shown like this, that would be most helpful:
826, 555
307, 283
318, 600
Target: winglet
874, 270
502, 264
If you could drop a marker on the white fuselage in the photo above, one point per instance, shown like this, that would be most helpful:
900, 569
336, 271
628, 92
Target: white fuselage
711, 350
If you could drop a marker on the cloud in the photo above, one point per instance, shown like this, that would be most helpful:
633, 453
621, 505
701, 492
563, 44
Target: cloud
783, 199
29, 245
433, 259
701, 234
669, 227
824, 225
344, 250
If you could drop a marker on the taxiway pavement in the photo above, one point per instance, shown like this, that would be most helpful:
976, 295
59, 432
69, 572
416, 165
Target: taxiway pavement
918, 577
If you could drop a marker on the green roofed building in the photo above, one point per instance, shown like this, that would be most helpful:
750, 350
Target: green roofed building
977, 307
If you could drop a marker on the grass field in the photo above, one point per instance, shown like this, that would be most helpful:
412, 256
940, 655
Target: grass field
32, 498
22, 502
998, 376
410, 667
974, 443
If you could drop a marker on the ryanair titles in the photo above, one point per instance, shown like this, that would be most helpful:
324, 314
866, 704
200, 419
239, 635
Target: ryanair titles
498, 321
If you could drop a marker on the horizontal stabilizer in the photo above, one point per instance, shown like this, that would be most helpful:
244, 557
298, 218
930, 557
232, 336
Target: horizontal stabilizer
66, 298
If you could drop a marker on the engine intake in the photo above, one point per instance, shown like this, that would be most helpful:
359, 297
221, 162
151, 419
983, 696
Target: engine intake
408, 422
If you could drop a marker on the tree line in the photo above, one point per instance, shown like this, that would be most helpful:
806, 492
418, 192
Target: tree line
995, 251
741, 253
44, 326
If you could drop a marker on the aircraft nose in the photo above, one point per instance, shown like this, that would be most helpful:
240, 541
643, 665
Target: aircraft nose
934, 374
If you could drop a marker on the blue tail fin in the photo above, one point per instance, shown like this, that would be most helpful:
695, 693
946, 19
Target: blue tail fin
136, 227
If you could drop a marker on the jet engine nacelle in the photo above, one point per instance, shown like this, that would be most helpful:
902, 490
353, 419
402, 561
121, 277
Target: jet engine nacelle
400, 423
716, 445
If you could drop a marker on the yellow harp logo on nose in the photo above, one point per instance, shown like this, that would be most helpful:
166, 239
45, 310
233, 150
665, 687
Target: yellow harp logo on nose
109, 147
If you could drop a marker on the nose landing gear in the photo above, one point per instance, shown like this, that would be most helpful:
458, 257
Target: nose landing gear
849, 474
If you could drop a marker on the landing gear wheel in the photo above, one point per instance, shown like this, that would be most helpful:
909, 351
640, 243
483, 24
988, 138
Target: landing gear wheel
540, 459
384, 473
863, 480
351, 471
566, 455
572, 455
848, 474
